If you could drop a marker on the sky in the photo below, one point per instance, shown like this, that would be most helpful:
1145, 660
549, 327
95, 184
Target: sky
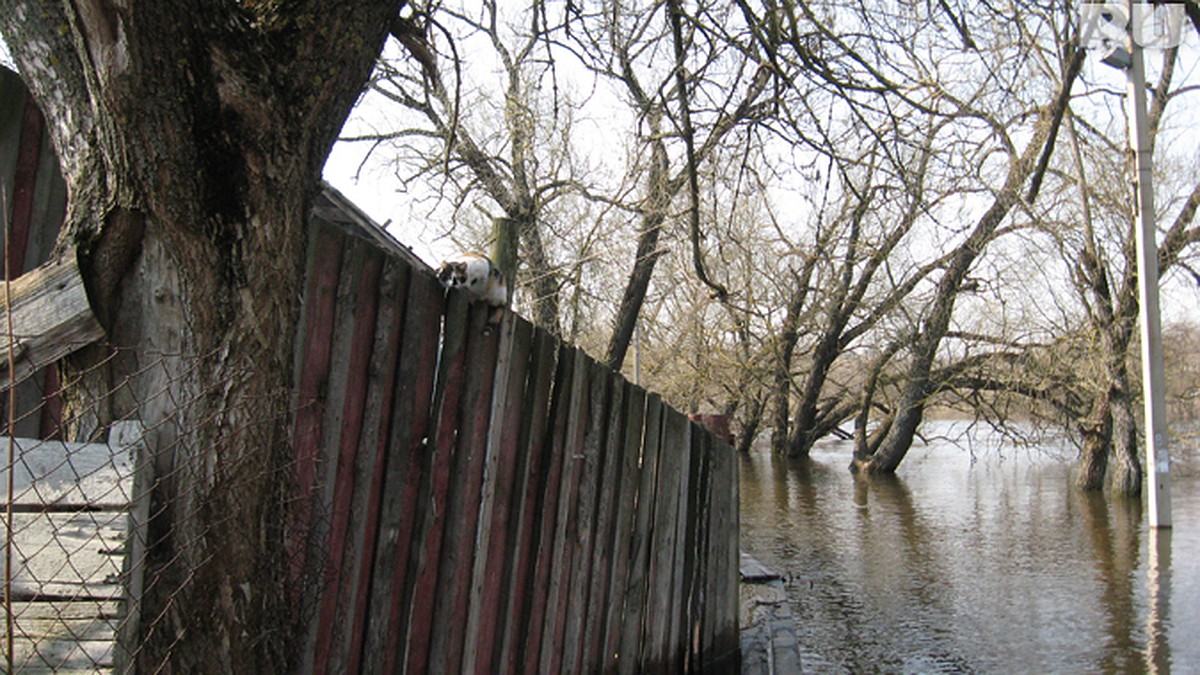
371, 186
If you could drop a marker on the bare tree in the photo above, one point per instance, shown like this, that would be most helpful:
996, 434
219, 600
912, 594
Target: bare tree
509, 159
623, 50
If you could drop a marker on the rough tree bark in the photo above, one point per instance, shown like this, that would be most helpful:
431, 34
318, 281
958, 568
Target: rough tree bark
191, 136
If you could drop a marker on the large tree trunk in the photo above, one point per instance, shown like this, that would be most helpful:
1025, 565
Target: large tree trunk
1127, 470
659, 192
785, 349
191, 137
1097, 439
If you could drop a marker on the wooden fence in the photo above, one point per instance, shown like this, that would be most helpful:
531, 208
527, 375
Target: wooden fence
464, 503
493, 503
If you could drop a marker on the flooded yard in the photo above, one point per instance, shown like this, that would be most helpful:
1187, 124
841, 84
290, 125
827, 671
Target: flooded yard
983, 560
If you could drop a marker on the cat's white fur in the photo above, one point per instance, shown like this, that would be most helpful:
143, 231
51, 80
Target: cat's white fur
476, 274
481, 279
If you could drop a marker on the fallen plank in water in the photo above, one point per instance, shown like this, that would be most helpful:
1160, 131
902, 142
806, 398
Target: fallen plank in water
768, 639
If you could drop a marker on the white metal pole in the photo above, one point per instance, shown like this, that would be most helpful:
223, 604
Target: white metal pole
1158, 459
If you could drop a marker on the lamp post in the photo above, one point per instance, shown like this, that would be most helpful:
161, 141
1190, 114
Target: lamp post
1158, 458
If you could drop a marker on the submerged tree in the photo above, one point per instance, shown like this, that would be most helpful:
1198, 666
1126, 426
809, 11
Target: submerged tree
1104, 268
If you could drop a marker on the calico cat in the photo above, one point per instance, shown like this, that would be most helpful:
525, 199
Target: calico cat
476, 274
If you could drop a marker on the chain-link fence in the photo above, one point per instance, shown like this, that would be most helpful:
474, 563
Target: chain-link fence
112, 537
75, 535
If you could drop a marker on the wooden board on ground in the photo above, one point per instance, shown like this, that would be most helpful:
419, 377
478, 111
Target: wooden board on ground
67, 637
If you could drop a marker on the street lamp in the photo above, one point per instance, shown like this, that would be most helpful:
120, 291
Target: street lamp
1158, 457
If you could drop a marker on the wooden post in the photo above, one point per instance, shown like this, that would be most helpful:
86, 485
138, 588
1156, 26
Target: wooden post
505, 238
131, 434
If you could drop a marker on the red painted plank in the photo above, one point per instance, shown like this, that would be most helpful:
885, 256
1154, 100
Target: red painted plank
533, 458
29, 150
693, 601
583, 543
458, 557
498, 564
325, 261
392, 305
558, 600
659, 649
365, 300
633, 630
547, 522
409, 459
451, 378
607, 504
623, 526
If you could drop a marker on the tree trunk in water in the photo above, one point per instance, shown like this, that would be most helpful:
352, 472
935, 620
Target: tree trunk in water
1127, 471
191, 138
1029, 168
785, 349
805, 433
1097, 439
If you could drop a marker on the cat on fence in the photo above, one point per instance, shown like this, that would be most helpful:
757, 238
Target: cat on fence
476, 274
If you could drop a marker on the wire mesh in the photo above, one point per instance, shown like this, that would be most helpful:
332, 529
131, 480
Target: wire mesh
70, 537
76, 525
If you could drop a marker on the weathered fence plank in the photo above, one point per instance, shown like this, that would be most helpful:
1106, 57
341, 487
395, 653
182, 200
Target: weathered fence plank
454, 580
372, 464
584, 540
372, 461
606, 508
407, 461
312, 368
661, 612
495, 530
435, 489
533, 458
50, 317
696, 562
364, 279
559, 591
638, 589
567, 390
623, 525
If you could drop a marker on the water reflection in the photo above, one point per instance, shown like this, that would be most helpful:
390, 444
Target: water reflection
985, 563
1158, 653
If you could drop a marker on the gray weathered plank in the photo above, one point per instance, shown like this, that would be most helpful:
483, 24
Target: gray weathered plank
623, 524
69, 474
499, 509
633, 633
553, 627
531, 458
51, 318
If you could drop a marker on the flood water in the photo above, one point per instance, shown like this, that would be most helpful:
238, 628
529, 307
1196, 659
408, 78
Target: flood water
975, 560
